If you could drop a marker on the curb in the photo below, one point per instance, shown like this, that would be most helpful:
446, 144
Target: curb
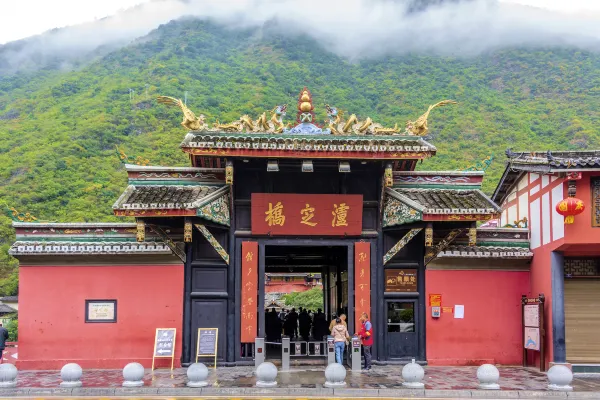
304, 392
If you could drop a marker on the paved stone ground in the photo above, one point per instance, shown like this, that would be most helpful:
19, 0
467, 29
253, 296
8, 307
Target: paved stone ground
311, 377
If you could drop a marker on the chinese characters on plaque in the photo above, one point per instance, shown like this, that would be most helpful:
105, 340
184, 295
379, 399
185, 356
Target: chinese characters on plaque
249, 291
100, 311
306, 214
362, 281
400, 280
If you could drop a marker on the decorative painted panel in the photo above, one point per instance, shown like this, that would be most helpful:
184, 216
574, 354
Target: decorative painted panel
248, 315
217, 210
397, 213
362, 281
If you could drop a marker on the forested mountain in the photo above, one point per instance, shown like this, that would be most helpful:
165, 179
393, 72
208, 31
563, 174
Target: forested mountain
59, 128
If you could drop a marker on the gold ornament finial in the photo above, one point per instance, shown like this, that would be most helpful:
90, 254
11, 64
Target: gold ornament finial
419, 127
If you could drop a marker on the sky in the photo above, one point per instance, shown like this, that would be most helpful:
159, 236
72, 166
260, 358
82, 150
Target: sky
17, 20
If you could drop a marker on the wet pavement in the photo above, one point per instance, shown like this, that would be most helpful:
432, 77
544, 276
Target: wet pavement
380, 377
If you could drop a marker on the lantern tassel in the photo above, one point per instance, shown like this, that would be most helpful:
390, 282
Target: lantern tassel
569, 219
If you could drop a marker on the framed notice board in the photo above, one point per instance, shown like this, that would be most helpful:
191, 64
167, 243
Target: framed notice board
533, 327
207, 343
164, 344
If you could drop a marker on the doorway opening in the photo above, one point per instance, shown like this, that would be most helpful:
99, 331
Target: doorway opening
304, 287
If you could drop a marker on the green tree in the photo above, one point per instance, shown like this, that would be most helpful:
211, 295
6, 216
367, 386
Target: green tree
311, 299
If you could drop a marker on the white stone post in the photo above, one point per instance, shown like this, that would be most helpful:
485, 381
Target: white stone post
133, 375
413, 374
335, 376
560, 378
266, 375
71, 375
197, 374
488, 376
8, 376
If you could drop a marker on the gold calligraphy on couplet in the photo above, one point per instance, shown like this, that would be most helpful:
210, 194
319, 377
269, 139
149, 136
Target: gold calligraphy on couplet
249, 291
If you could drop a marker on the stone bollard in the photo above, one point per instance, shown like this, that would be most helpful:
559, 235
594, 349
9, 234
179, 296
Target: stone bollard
560, 378
197, 374
413, 374
133, 375
488, 376
71, 375
266, 375
8, 376
335, 375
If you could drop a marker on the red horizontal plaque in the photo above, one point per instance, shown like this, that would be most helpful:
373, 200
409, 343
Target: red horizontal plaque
306, 214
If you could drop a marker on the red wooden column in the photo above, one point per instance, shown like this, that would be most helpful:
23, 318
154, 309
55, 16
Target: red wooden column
249, 317
362, 281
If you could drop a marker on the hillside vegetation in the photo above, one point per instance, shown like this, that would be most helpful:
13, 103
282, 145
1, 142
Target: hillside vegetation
58, 130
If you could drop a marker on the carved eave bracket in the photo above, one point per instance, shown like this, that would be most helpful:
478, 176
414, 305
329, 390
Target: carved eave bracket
213, 242
400, 245
169, 242
431, 253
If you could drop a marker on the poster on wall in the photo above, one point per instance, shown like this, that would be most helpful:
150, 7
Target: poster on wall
531, 315
532, 338
101, 311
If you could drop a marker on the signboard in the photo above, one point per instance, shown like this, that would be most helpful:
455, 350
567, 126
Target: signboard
435, 300
400, 280
164, 344
248, 316
532, 338
207, 343
362, 281
100, 311
306, 214
447, 310
531, 315
532, 310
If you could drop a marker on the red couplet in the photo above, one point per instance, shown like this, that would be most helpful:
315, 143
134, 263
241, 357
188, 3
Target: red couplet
249, 291
362, 281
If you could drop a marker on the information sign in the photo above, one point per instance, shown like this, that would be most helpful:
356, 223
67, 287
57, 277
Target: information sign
164, 344
532, 310
207, 343
400, 280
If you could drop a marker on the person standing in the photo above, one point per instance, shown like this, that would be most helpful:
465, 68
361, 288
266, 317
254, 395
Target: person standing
340, 337
3, 338
366, 335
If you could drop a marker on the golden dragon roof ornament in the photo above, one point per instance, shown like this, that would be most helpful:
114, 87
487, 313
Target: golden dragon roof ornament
335, 125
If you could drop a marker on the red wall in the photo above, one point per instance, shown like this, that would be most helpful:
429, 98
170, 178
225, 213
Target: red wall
491, 329
52, 328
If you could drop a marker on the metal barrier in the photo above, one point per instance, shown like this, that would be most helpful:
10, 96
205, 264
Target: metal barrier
330, 350
285, 354
355, 351
259, 351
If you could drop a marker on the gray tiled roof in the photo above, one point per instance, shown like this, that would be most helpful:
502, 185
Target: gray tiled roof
21, 248
9, 298
486, 252
4, 309
164, 196
448, 201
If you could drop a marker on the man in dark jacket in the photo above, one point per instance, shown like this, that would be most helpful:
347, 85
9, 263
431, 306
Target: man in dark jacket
3, 337
366, 334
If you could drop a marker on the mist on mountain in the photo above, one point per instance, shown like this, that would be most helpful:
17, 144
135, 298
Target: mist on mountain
353, 29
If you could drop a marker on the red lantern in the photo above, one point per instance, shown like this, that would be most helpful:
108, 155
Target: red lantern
569, 208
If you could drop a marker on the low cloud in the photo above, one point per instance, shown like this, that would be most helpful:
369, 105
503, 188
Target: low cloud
354, 29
